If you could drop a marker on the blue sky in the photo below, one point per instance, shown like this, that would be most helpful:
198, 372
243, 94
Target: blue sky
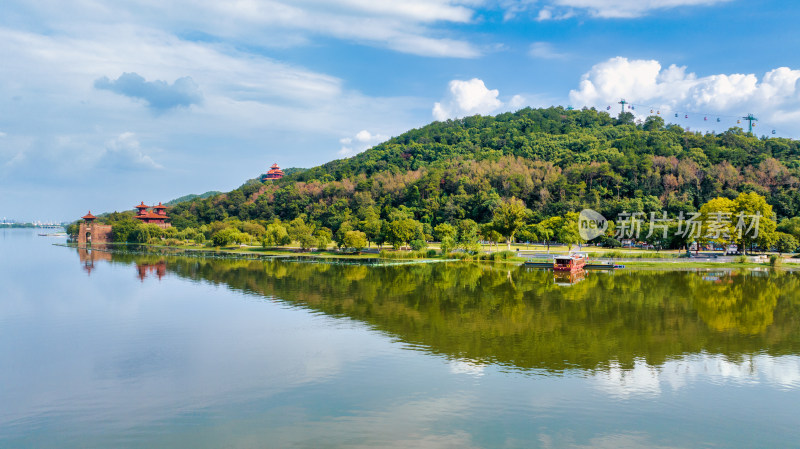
106, 104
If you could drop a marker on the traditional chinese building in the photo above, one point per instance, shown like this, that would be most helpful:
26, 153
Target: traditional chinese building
89, 231
274, 173
157, 216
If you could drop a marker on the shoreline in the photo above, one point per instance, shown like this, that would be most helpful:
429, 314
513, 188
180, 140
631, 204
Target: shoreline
253, 253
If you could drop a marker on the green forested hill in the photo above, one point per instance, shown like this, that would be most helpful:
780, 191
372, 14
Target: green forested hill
555, 160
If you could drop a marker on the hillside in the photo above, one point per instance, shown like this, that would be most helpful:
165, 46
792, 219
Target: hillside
554, 160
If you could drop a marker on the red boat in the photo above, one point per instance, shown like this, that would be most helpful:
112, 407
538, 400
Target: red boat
572, 262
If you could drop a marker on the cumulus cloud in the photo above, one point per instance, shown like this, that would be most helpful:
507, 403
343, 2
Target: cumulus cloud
362, 141
467, 98
124, 152
159, 95
775, 97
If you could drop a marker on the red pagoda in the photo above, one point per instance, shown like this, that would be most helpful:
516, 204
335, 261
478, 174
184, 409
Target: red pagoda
88, 218
157, 216
274, 172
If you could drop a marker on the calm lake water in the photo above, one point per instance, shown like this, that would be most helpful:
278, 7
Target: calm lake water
101, 350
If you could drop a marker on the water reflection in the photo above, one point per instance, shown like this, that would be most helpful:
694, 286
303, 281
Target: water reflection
88, 257
526, 319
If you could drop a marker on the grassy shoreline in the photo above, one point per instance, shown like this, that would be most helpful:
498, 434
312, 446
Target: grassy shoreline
252, 252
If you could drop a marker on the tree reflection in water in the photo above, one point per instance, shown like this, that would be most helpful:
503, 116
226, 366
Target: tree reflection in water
526, 319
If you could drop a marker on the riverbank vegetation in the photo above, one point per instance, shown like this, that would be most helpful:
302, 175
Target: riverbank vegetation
515, 177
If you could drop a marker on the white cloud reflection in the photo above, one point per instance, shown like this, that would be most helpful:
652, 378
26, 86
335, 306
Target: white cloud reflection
644, 380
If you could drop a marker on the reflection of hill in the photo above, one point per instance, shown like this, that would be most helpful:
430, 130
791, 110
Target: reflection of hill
520, 318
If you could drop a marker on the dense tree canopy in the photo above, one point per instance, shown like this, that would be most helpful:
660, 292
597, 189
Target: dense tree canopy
553, 160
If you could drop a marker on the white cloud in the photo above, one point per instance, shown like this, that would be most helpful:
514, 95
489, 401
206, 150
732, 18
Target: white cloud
159, 95
544, 50
517, 102
630, 8
124, 152
467, 98
411, 26
605, 9
362, 141
775, 98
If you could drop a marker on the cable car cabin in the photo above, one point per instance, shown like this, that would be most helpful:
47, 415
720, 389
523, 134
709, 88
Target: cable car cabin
573, 262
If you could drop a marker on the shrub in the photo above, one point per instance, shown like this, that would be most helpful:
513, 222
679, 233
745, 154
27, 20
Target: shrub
459, 255
775, 260
505, 255
417, 245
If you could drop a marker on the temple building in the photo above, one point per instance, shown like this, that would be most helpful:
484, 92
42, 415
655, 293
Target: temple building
274, 173
89, 232
157, 216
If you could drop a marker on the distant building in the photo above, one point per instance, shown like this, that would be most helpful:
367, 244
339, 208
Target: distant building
89, 231
274, 173
157, 216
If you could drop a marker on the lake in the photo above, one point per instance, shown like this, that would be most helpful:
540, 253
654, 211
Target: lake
135, 351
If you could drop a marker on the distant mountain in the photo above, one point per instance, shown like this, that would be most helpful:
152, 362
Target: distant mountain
556, 160
190, 197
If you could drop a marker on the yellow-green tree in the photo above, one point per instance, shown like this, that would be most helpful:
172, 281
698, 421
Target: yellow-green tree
509, 216
753, 221
717, 217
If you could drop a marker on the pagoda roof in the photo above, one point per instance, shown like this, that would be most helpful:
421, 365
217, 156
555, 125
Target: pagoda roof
89, 216
160, 206
150, 216
142, 205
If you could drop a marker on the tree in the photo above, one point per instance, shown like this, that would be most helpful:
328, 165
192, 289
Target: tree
344, 228
253, 228
404, 231
753, 221
307, 241
790, 226
372, 228
528, 233
228, 236
275, 235
785, 243
548, 229
447, 244
324, 237
468, 235
568, 232
444, 230
355, 240
509, 216
298, 228
653, 123
717, 218
121, 230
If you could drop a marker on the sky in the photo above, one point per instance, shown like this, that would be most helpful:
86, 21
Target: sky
106, 104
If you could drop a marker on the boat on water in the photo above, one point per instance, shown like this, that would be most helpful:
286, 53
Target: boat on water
573, 262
